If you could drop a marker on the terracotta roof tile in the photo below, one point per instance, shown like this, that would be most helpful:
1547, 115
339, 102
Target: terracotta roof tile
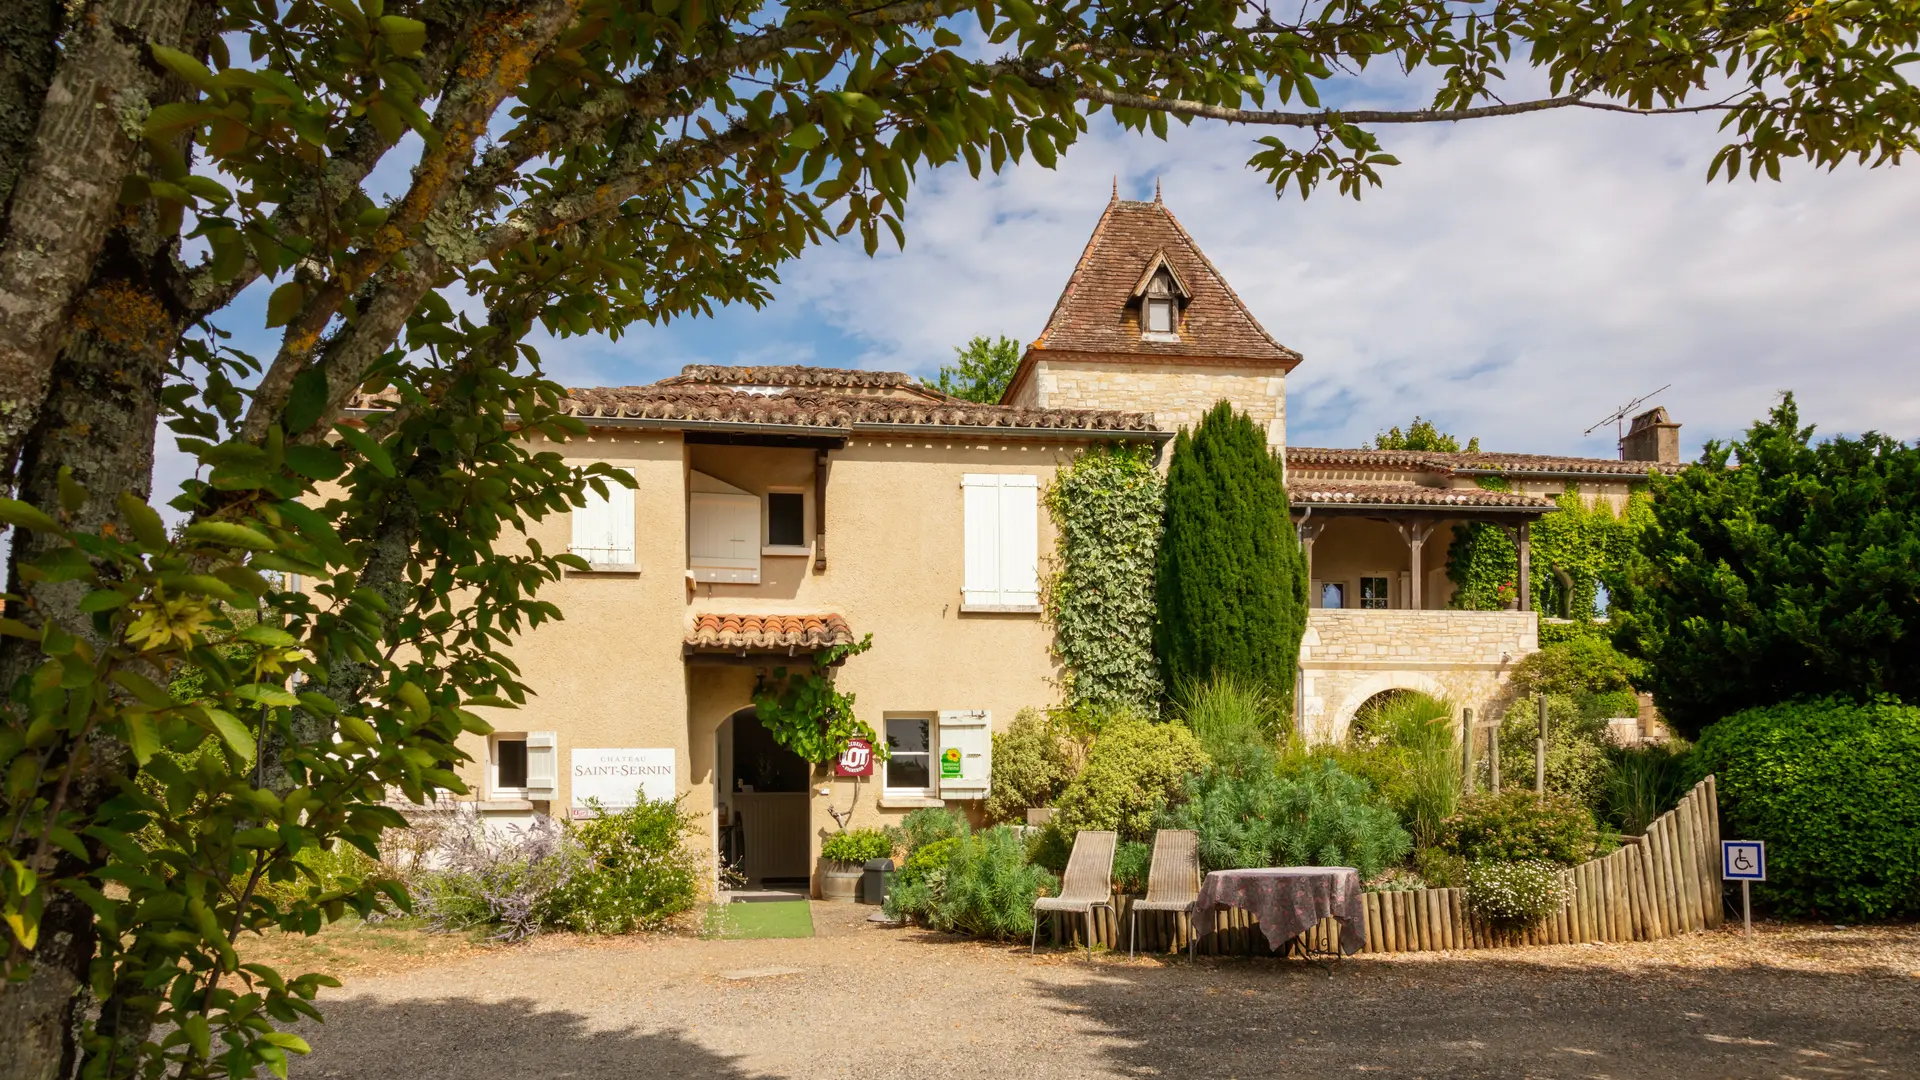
1093, 312
768, 633
1313, 491
798, 375
1439, 461
819, 408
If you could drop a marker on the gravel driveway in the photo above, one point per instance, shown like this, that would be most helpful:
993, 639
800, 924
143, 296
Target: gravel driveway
871, 1002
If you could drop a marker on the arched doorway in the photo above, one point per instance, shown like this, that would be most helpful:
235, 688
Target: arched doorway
763, 792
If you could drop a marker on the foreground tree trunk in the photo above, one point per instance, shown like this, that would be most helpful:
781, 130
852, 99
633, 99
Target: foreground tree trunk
99, 420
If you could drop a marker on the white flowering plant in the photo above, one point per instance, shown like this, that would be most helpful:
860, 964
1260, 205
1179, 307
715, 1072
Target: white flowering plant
1518, 893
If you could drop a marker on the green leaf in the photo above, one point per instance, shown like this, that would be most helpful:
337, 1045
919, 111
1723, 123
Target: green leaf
143, 735
229, 534
805, 137
406, 37
188, 68
375, 454
231, 730
143, 520
23, 516
229, 253
945, 38
262, 634
307, 400
143, 688
257, 838
315, 462
264, 694
285, 303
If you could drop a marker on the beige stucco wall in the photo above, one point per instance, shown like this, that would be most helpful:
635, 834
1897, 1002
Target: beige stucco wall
611, 673
1176, 394
1350, 547
1348, 656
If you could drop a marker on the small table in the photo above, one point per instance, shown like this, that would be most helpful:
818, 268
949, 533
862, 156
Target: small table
1288, 901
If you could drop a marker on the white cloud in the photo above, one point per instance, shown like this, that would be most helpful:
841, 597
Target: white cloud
1515, 279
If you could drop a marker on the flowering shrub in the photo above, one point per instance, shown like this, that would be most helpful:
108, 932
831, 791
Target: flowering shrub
613, 874
1514, 894
630, 870
856, 847
495, 878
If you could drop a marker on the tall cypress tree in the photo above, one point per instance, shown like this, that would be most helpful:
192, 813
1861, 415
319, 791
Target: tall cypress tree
1231, 590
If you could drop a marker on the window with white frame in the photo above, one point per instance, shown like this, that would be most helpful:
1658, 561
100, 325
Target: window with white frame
603, 531
1002, 542
909, 768
507, 764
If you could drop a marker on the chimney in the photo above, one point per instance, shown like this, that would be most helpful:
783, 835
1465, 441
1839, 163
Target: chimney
1653, 437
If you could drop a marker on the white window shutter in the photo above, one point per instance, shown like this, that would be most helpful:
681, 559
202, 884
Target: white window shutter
723, 537
603, 530
1020, 541
969, 732
543, 765
982, 510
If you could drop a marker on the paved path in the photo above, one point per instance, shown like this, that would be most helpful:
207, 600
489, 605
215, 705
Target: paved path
873, 1003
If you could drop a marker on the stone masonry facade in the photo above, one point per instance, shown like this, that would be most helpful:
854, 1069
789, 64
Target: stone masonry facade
1349, 655
1177, 394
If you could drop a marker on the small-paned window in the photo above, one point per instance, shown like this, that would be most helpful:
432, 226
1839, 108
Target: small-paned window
910, 742
1373, 592
786, 519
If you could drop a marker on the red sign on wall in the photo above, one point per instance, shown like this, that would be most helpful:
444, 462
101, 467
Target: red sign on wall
855, 760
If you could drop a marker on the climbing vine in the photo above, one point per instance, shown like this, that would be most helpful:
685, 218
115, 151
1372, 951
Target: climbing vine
806, 713
1106, 508
1576, 550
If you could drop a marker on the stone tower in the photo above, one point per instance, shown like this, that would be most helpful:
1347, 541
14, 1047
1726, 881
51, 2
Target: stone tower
1147, 324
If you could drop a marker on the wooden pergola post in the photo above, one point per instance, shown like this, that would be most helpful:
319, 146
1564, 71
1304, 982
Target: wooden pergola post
1415, 532
1309, 530
1526, 569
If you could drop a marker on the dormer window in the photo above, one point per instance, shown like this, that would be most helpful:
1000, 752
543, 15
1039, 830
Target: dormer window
1162, 307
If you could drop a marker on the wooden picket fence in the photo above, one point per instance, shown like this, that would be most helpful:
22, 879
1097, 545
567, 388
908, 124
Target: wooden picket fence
1655, 886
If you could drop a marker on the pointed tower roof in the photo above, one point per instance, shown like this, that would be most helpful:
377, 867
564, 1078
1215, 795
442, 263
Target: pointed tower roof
1097, 311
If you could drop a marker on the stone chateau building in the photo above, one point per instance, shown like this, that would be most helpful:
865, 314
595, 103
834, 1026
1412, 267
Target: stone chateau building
781, 510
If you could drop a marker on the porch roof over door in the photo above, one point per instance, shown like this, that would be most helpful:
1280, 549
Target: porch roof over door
721, 635
1351, 496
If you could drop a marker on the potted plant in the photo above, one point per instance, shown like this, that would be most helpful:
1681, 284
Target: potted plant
1509, 596
842, 858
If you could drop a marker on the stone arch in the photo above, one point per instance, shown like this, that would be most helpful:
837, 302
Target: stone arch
1374, 685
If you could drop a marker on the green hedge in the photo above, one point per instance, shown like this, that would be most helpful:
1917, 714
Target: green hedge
1833, 787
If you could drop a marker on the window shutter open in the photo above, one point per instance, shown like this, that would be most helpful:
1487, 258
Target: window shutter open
1020, 541
723, 532
1002, 541
603, 529
969, 733
543, 765
982, 506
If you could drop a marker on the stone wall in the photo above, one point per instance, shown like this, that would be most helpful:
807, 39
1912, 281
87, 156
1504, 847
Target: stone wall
1348, 656
1177, 394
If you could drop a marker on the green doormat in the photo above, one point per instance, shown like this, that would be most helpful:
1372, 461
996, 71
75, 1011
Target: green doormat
769, 919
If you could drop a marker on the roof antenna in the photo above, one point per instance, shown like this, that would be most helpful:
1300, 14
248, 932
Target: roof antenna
1618, 419
1156, 189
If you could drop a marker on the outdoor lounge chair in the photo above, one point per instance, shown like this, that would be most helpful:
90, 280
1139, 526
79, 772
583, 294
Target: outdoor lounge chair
1088, 884
1173, 880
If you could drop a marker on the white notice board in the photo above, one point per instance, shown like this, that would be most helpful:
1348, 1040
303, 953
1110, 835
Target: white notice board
618, 778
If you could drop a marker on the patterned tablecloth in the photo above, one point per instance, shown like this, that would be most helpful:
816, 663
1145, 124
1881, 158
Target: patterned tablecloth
1288, 901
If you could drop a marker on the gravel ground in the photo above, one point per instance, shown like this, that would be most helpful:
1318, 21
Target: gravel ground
877, 1003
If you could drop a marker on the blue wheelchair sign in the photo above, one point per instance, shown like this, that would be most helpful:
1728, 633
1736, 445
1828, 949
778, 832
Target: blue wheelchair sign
1743, 860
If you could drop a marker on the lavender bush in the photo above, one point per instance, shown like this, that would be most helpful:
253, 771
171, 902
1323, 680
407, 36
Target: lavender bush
496, 877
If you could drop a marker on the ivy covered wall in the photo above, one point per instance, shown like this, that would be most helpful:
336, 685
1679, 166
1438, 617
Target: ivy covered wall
1106, 508
1587, 542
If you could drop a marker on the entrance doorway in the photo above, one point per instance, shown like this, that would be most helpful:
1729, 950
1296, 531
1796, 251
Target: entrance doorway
762, 802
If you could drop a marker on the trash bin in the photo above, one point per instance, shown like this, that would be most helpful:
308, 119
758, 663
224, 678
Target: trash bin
875, 878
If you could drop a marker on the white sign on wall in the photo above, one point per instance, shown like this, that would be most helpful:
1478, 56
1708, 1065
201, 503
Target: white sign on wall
620, 778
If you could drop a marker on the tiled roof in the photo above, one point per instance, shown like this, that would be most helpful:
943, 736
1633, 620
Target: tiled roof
768, 633
797, 375
1441, 461
1092, 314
819, 408
1312, 491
